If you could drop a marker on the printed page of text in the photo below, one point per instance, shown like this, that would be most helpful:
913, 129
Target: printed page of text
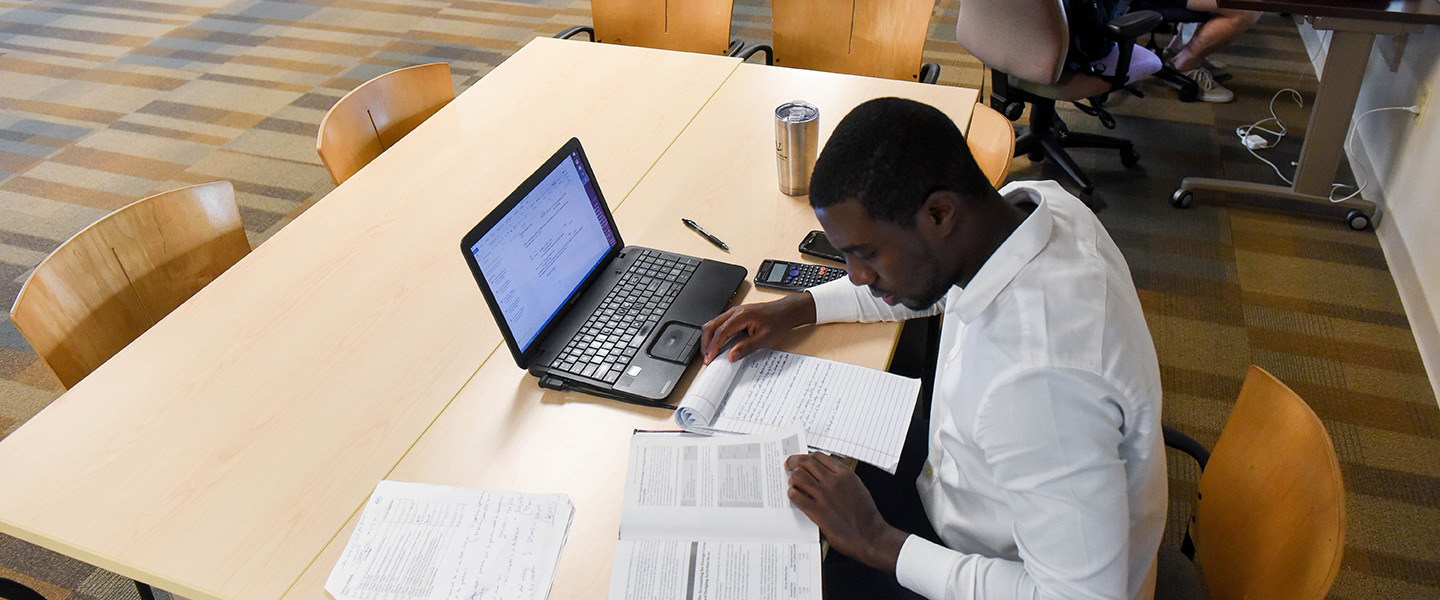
417, 541
692, 570
730, 488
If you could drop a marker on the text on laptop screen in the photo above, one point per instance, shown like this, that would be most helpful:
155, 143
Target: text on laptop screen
537, 256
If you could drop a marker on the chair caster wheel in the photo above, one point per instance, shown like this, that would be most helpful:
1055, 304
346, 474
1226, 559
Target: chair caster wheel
1129, 157
1181, 199
1189, 93
1357, 219
1035, 156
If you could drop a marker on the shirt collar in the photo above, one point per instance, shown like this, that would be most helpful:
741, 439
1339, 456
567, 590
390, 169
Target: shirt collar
1001, 268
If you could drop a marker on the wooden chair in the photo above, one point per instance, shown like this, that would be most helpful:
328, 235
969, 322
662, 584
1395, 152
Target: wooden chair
1269, 519
109, 283
691, 26
859, 37
992, 142
377, 114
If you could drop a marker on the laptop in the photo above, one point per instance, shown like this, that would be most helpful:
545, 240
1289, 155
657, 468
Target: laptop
579, 309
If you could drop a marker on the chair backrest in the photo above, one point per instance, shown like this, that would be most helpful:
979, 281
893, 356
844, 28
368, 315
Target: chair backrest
109, 283
1027, 39
1270, 519
859, 37
991, 138
377, 114
689, 26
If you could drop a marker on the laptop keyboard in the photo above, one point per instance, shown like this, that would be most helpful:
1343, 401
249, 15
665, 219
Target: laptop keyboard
614, 332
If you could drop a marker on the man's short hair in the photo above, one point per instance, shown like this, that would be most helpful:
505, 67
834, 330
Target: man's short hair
890, 154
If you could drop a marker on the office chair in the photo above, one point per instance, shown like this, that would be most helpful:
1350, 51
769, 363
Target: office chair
692, 26
1269, 518
1025, 45
375, 115
116, 278
858, 37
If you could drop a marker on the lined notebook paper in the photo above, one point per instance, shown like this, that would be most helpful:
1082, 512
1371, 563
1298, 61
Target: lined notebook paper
845, 409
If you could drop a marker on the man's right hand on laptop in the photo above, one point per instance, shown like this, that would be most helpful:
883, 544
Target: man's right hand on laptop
762, 324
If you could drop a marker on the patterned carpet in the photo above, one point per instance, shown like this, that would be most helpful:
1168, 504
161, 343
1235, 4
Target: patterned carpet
106, 101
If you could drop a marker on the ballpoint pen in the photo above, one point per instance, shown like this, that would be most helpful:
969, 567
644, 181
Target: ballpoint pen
705, 234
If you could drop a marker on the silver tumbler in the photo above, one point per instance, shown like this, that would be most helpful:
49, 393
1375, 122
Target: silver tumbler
797, 137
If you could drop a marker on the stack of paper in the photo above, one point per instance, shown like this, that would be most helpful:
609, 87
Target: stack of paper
416, 541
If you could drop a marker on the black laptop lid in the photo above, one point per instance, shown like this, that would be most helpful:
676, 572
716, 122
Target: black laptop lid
536, 252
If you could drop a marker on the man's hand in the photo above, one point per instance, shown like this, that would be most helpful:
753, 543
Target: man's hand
830, 493
764, 324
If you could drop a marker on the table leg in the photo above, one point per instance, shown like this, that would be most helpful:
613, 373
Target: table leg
1330, 116
1345, 63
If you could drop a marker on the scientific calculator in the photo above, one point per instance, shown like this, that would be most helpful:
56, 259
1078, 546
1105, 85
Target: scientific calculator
793, 276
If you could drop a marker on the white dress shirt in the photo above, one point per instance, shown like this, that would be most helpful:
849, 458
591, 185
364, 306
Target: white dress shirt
1045, 476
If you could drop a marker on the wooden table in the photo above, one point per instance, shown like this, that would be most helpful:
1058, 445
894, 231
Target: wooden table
503, 432
226, 452
1355, 24
218, 453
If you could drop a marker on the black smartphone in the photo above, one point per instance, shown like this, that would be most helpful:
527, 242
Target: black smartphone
793, 276
816, 244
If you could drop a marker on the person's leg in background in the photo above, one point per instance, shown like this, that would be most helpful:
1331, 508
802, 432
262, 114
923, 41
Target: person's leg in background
1225, 26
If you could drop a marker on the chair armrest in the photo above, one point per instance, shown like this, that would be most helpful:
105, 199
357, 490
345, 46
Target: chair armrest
1132, 25
750, 51
573, 31
929, 73
736, 47
1184, 443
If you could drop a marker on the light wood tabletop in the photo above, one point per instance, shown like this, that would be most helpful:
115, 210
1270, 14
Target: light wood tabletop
504, 432
216, 455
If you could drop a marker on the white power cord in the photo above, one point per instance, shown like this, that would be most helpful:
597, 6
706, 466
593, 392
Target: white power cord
1253, 141
1350, 149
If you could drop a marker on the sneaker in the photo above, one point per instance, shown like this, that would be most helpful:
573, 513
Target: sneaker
1220, 70
1210, 91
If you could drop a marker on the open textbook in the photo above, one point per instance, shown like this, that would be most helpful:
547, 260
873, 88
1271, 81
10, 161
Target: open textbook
708, 519
849, 410
417, 541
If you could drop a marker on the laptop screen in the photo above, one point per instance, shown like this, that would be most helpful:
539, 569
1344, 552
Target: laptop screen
538, 255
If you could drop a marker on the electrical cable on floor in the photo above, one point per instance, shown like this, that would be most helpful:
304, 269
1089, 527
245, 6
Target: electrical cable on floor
1350, 149
1253, 141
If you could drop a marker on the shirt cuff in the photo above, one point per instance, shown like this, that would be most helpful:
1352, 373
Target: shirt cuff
924, 567
835, 301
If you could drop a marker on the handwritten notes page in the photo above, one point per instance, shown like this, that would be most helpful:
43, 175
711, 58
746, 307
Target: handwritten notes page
419, 541
707, 519
854, 411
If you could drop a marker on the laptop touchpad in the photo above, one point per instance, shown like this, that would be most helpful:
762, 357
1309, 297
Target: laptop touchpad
678, 342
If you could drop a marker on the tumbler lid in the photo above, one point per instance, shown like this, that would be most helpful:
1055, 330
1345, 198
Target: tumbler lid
797, 112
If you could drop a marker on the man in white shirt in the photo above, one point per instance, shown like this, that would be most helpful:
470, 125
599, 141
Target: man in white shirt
1045, 472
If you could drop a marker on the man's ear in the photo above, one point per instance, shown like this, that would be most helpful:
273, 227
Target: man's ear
941, 212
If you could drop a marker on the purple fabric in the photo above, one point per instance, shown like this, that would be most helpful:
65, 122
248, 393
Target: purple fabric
1143, 63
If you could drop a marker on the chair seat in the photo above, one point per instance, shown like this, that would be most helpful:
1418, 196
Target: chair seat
1070, 88
1075, 86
